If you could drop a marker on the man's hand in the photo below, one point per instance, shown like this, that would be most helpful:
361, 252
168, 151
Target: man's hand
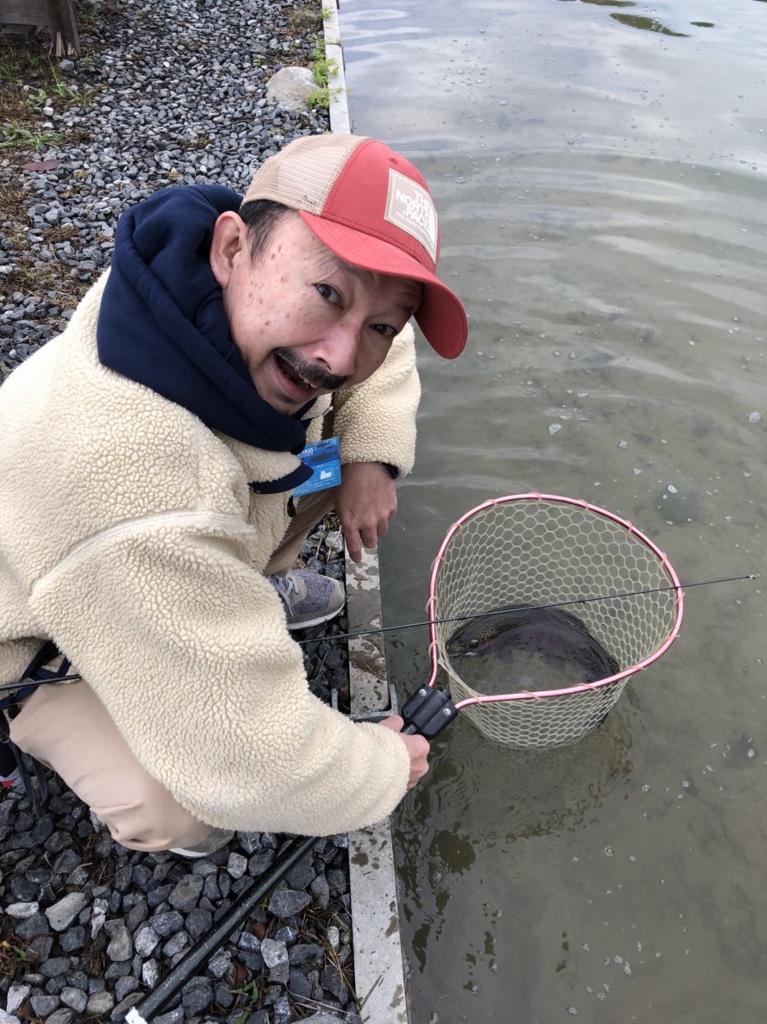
365, 501
417, 748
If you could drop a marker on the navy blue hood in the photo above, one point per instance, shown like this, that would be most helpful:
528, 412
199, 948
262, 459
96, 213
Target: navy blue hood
162, 321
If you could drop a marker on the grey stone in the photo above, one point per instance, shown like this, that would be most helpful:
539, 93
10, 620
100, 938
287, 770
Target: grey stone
335, 983
286, 933
274, 953
66, 862
299, 985
55, 967
22, 911
62, 1016
42, 1005
32, 927
173, 1017
306, 952
123, 877
23, 889
197, 995
117, 970
187, 892
120, 947
124, 986
237, 865
287, 902
220, 963
291, 87
210, 889
250, 942
62, 913
57, 842
136, 915
175, 944
145, 940
260, 1017
260, 861
320, 890
167, 924
99, 1003
301, 875
72, 939
198, 923
98, 915
16, 996
74, 998
282, 1012
150, 973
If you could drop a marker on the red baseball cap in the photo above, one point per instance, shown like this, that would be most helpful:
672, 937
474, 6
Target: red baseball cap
373, 209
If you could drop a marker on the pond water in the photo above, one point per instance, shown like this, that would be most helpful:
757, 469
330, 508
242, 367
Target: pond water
600, 170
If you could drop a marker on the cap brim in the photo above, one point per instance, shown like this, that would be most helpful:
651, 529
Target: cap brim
440, 316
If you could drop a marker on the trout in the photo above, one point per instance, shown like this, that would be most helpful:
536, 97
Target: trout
551, 632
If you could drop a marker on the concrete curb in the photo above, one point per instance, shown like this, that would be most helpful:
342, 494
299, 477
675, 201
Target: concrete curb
378, 964
338, 106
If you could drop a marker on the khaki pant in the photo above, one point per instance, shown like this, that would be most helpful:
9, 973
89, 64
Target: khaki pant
67, 728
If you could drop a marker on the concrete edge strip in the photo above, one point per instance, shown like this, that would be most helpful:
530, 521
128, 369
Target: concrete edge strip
338, 105
378, 964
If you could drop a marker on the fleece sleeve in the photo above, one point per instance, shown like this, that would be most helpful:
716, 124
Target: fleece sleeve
375, 420
187, 647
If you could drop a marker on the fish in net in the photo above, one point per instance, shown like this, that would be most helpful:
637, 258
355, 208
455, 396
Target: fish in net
524, 648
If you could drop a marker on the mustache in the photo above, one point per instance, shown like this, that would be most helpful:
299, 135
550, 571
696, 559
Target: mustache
315, 376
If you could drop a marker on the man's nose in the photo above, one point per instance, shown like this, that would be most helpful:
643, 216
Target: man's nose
338, 349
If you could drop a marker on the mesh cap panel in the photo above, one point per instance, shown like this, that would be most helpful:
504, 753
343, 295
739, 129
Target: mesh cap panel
303, 174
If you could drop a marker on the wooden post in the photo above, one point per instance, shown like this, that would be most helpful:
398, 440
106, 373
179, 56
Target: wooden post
22, 18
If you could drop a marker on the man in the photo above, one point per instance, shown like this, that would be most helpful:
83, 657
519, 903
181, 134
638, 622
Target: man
147, 465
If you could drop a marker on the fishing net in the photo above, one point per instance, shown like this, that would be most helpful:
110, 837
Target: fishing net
542, 550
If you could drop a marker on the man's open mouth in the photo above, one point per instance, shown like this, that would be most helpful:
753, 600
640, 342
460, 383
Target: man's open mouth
305, 376
295, 376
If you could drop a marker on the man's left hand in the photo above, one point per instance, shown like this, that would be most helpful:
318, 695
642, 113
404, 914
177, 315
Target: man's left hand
365, 501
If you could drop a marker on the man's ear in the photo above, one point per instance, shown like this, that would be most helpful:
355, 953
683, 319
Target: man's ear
230, 237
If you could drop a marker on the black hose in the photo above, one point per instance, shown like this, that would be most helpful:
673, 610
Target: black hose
244, 905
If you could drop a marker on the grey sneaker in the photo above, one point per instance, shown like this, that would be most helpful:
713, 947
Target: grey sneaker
218, 837
309, 598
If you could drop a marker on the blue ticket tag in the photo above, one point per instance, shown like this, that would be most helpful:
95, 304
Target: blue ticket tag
324, 460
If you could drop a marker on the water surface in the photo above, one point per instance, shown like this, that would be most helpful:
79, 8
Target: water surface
600, 169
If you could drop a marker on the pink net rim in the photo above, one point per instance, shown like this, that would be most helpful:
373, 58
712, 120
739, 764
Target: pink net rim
582, 687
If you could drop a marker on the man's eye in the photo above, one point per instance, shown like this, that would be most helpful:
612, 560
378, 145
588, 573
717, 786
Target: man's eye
385, 330
329, 293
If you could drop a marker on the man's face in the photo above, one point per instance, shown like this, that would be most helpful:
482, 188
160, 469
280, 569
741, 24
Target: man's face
305, 322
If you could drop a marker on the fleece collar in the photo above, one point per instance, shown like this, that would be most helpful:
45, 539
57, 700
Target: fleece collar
162, 321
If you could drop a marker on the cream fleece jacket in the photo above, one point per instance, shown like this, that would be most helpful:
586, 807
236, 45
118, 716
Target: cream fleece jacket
129, 536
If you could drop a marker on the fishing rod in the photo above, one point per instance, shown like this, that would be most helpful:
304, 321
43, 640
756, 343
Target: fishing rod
402, 627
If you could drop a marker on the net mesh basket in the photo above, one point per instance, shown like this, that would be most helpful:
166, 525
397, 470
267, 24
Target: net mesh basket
538, 550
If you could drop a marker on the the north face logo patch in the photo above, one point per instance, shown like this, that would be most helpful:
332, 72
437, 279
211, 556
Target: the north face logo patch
410, 207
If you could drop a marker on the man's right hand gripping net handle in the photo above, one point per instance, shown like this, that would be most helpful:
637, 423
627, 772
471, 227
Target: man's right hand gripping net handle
428, 712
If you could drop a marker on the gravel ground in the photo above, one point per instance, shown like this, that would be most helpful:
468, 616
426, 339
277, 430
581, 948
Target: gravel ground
163, 94
173, 93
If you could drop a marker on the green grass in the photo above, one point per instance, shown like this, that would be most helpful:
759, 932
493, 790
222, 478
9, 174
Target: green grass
322, 68
31, 82
250, 994
20, 139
